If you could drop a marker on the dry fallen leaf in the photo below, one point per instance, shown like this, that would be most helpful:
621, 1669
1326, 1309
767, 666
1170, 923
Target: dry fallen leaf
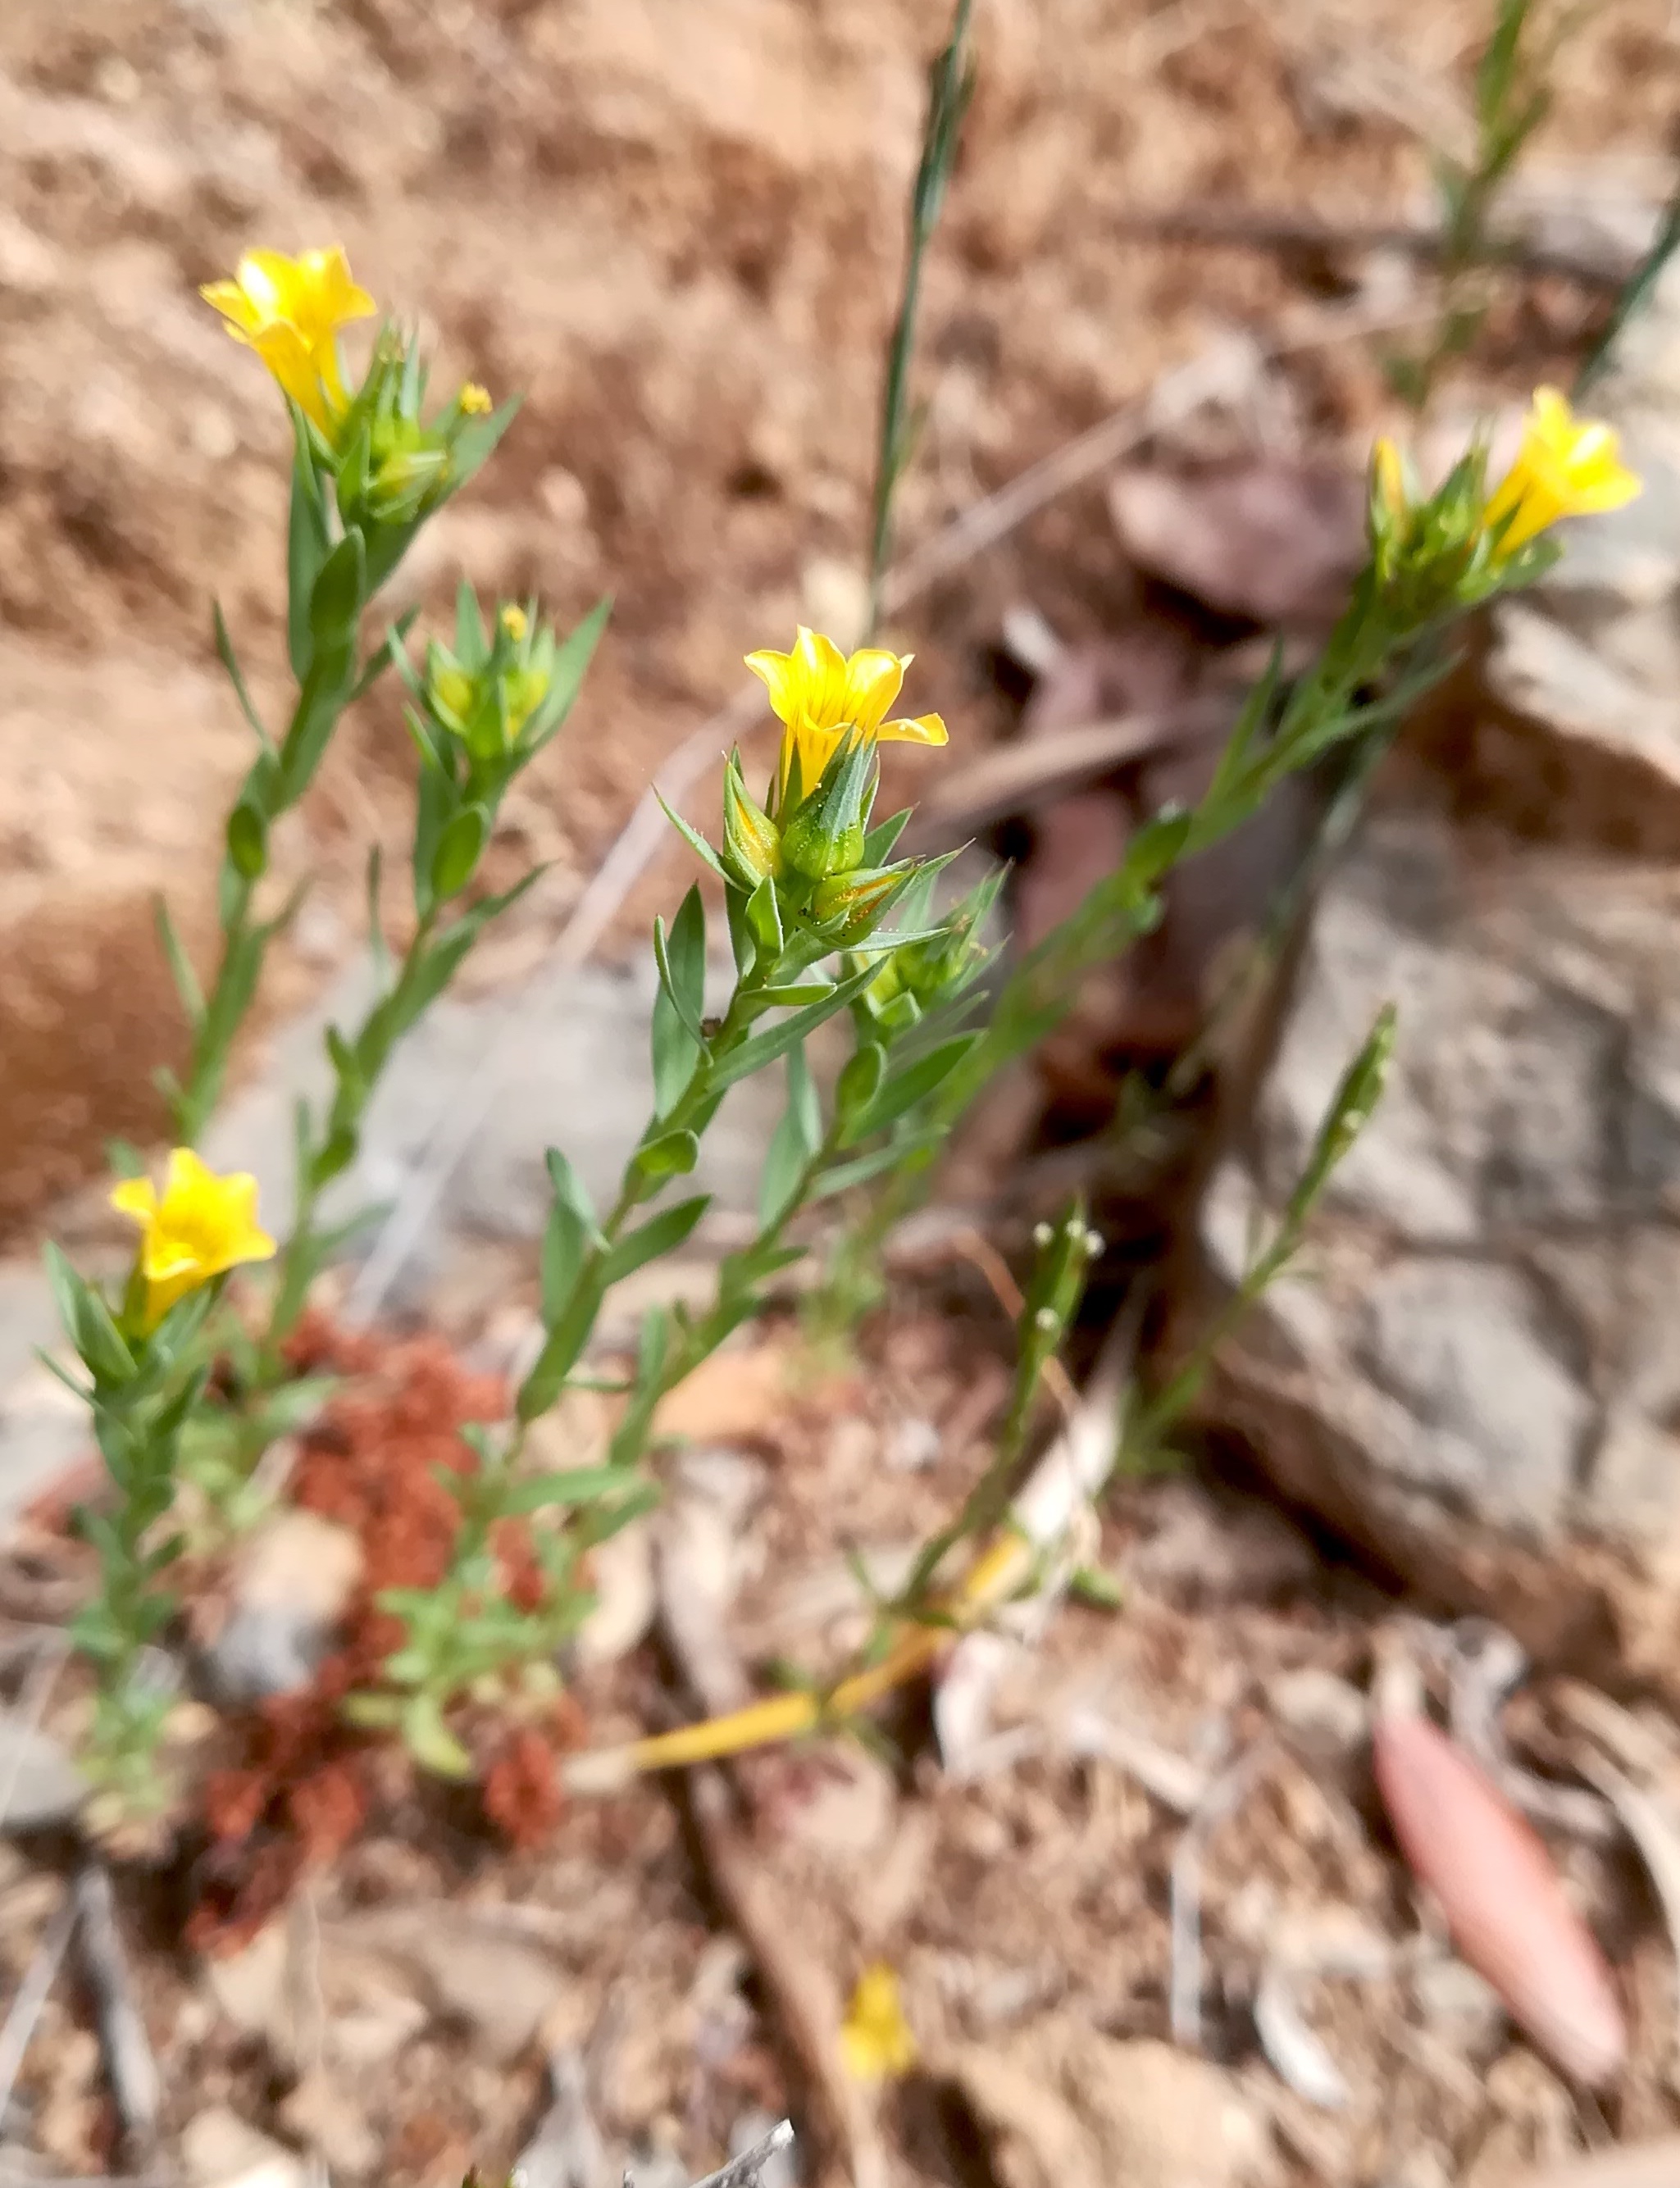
1502, 1896
1276, 542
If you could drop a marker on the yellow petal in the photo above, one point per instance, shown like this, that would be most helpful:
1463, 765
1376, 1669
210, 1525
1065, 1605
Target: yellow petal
187, 1173
924, 730
873, 680
875, 2039
339, 297
777, 672
135, 1198
227, 297
821, 669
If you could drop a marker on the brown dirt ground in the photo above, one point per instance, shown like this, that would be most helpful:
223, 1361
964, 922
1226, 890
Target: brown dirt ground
1031, 1896
675, 229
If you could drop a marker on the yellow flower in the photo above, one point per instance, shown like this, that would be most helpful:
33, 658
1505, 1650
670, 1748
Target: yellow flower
875, 2039
818, 695
474, 401
515, 621
289, 310
1565, 467
201, 1226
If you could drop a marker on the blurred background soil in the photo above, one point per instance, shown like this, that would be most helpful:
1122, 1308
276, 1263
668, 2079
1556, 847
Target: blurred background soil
677, 228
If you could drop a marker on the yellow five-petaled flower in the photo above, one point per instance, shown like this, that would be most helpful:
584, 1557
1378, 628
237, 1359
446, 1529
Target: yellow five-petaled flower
1566, 466
289, 310
199, 1226
818, 694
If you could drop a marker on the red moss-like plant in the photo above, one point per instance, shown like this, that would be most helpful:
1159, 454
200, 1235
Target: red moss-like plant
303, 1789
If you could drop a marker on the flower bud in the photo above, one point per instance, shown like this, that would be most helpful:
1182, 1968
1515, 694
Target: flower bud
751, 840
852, 905
825, 835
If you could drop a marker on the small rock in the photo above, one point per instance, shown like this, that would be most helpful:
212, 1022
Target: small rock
321, 2112
376, 2029
621, 1574
39, 1783
293, 1583
249, 1986
912, 1444
566, 2150
498, 1985
1326, 1716
1065, 2107
849, 1809
1462, 2010
219, 2150
1209, 1549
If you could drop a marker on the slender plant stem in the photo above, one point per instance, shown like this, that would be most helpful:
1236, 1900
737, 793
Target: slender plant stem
949, 85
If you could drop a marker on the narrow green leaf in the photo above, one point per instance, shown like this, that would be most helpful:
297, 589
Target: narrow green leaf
862, 1168
565, 1341
763, 916
793, 1145
660, 1234
570, 1188
180, 965
229, 659
569, 666
336, 601
878, 844
675, 1053
391, 654
577, 1485
566, 1246
763, 1048
692, 836
687, 950
473, 641
460, 849
903, 1089
682, 979
429, 1740
307, 544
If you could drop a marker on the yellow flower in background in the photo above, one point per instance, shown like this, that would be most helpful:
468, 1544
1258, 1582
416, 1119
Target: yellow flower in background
515, 621
1566, 466
818, 694
199, 1227
876, 2041
474, 401
289, 310
1388, 474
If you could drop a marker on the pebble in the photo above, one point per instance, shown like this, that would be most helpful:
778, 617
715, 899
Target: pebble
294, 1582
1325, 1714
1460, 2007
323, 2114
40, 1784
219, 2150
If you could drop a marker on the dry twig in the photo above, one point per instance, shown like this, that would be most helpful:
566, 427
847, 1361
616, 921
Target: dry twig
130, 2067
804, 2002
1215, 226
19, 2026
1223, 1798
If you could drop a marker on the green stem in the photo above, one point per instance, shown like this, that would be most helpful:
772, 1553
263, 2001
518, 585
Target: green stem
948, 88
